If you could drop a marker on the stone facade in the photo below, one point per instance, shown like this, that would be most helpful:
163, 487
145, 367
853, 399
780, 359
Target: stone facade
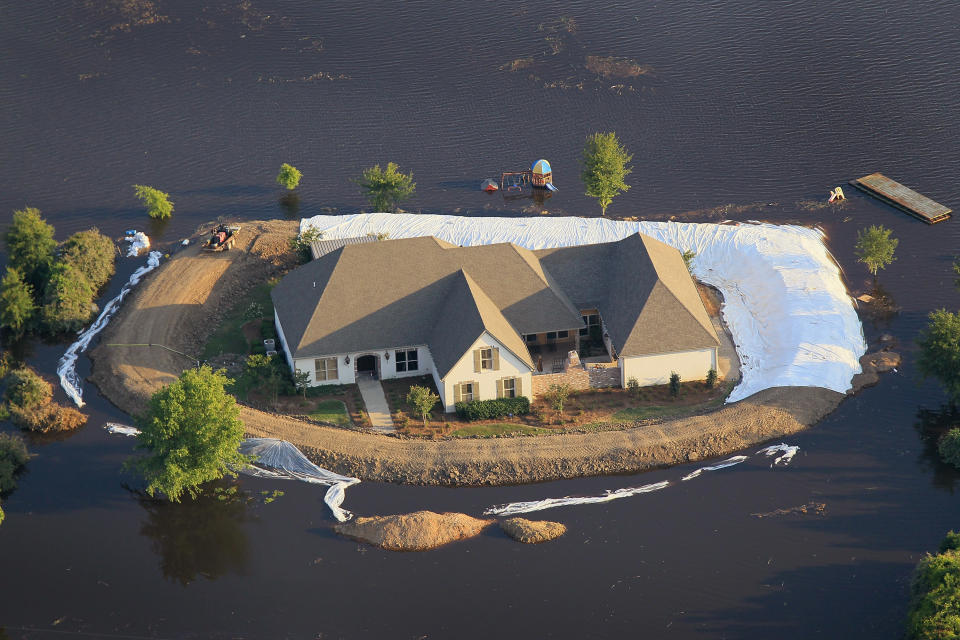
604, 377
576, 377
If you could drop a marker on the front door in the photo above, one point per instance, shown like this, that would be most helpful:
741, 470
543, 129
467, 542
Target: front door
367, 365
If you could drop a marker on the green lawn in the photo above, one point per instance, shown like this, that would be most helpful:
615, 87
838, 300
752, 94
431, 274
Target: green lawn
228, 337
331, 411
498, 429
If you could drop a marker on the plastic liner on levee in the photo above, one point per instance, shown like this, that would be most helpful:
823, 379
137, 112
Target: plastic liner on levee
792, 320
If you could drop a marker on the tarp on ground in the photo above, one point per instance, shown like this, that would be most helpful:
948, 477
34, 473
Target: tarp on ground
792, 320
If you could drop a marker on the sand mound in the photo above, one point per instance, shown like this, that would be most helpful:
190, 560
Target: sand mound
532, 531
418, 531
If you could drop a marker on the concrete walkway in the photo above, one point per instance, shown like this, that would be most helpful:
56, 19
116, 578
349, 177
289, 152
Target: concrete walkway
376, 403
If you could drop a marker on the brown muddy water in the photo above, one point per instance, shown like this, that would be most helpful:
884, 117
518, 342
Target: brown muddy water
744, 102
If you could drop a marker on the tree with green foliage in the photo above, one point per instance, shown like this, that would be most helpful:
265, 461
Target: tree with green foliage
674, 385
634, 386
191, 431
17, 307
289, 177
67, 300
386, 189
30, 247
605, 168
301, 380
263, 371
13, 456
934, 611
157, 202
688, 257
300, 243
92, 254
557, 396
26, 390
711, 380
939, 357
949, 447
875, 248
956, 273
423, 400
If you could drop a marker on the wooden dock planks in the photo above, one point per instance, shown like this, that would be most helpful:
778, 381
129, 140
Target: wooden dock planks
903, 198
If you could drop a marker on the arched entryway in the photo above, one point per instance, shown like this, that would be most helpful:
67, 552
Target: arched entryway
368, 365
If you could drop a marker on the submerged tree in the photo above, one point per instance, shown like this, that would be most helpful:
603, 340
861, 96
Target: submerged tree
92, 254
190, 431
67, 299
289, 176
17, 308
605, 168
30, 247
940, 351
875, 248
157, 202
386, 189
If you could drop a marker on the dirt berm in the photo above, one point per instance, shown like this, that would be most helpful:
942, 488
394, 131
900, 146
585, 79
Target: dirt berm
180, 303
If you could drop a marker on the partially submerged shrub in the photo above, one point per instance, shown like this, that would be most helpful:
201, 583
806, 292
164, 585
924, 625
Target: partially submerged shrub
13, 456
492, 409
67, 300
48, 418
949, 447
26, 389
92, 254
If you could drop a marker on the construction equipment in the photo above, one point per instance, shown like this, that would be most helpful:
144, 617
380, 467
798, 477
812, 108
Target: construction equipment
221, 238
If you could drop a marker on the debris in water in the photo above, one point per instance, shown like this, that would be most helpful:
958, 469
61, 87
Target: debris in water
788, 451
138, 240
811, 507
549, 503
729, 462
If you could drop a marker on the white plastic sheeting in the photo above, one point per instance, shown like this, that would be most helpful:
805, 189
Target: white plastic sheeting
67, 365
792, 321
515, 508
280, 460
138, 241
729, 462
786, 451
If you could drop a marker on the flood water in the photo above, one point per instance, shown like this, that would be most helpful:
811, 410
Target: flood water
746, 102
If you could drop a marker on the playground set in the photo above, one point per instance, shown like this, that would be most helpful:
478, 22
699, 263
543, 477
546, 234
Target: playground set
539, 176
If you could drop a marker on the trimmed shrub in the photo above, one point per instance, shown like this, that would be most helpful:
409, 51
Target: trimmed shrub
493, 409
92, 254
27, 390
674, 384
711, 378
949, 447
13, 455
935, 596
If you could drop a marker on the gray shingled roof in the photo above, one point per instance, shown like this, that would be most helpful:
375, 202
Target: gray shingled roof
321, 247
396, 293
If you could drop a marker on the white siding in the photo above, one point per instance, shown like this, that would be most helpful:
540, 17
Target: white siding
656, 368
387, 367
510, 366
283, 340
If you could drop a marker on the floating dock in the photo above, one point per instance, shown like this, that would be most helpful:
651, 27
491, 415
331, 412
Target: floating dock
903, 198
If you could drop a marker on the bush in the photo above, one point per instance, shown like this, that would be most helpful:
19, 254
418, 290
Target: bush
48, 418
92, 254
17, 307
492, 409
935, 595
674, 384
300, 244
289, 176
27, 390
13, 456
711, 378
67, 300
951, 542
949, 447
157, 202
267, 330
30, 246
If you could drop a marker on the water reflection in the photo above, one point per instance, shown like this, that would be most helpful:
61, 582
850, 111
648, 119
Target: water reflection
882, 308
932, 425
203, 537
290, 204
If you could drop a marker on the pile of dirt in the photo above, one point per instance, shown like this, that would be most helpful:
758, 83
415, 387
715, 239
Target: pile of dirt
532, 531
872, 365
418, 531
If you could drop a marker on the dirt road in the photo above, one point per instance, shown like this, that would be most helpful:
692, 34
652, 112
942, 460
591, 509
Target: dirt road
181, 301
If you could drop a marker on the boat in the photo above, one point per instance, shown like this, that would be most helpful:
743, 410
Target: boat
490, 185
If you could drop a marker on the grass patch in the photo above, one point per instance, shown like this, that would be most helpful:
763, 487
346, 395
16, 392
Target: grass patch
497, 429
229, 337
331, 411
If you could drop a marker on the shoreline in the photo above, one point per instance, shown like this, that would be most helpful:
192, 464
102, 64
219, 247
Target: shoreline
180, 302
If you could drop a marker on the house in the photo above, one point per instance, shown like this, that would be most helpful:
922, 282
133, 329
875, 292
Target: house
484, 321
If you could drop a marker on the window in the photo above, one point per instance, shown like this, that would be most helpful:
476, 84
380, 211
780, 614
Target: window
326, 368
551, 335
589, 320
563, 334
463, 392
486, 358
531, 337
407, 360
509, 387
